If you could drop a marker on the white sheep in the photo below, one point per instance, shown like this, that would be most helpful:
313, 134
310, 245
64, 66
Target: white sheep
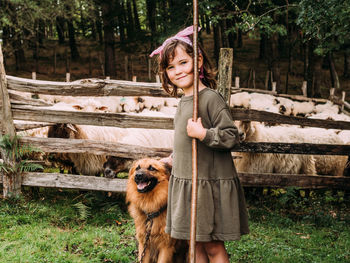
240, 99
270, 162
328, 107
303, 108
91, 164
263, 102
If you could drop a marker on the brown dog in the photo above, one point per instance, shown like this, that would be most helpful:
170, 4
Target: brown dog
146, 194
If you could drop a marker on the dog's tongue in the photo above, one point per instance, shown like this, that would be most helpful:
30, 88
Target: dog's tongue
141, 186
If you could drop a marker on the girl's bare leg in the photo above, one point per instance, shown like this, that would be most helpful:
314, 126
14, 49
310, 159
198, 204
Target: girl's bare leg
201, 254
216, 252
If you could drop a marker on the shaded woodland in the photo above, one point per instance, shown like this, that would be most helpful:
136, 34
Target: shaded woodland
281, 41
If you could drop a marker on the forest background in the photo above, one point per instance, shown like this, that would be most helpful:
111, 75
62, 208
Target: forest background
287, 41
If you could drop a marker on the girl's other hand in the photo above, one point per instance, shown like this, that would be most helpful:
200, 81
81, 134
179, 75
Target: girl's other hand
195, 129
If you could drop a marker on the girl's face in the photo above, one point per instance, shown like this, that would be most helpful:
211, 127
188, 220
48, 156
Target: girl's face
180, 69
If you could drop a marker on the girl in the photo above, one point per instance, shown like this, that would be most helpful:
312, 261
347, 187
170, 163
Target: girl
221, 209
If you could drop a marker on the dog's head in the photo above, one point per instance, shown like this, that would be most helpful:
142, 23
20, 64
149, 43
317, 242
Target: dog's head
146, 174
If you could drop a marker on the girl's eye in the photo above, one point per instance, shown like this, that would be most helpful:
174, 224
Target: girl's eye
170, 67
183, 62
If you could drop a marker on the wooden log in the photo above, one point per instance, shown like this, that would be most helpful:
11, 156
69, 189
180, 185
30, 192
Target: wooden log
135, 152
295, 180
34, 75
29, 126
292, 148
87, 87
225, 73
18, 99
126, 67
96, 147
263, 116
11, 181
29, 113
70, 181
6, 114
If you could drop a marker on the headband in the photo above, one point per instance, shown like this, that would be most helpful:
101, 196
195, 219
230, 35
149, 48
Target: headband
182, 36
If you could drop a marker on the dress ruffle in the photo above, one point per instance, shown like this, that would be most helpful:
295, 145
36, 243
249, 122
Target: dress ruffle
221, 210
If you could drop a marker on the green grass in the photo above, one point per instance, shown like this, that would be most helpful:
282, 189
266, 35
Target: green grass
71, 226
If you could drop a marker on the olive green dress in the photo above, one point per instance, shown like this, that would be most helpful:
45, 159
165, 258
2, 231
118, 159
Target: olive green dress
221, 208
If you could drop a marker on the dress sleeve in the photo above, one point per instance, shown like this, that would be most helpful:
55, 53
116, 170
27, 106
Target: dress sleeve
223, 134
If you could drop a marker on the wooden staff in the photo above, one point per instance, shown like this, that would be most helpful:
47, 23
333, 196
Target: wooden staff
194, 141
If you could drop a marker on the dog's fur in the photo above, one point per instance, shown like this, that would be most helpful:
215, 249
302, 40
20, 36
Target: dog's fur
147, 192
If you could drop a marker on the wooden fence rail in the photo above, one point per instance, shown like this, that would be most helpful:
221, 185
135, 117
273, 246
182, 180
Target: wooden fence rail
32, 110
81, 182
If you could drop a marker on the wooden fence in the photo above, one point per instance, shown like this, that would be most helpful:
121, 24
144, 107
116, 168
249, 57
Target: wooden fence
30, 110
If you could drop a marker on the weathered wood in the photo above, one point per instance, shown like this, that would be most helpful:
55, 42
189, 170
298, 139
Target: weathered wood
293, 148
18, 99
11, 181
135, 152
296, 180
29, 113
94, 147
29, 126
71, 181
235, 90
6, 114
87, 87
263, 116
225, 73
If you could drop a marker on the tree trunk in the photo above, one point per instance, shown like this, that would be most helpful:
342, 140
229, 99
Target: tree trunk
262, 46
60, 29
151, 15
82, 19
333, 71
314, 71
207, 25
108, 29
72, 44
130, 22
346, 73
239, 39
223, 28
231, 38
275, 67
121, 23
217, 42
136, 16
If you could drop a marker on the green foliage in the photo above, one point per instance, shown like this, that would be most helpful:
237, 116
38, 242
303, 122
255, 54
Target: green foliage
18, 154
84, 211
326, 21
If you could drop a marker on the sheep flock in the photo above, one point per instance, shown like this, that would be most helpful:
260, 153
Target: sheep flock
91, 164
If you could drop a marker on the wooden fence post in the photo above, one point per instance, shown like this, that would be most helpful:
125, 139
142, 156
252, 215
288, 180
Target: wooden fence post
304, 88
225, 73
11, 182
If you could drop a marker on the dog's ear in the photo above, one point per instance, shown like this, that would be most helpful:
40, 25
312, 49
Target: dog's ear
168, 167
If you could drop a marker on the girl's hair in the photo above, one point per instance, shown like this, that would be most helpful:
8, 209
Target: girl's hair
168, 53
